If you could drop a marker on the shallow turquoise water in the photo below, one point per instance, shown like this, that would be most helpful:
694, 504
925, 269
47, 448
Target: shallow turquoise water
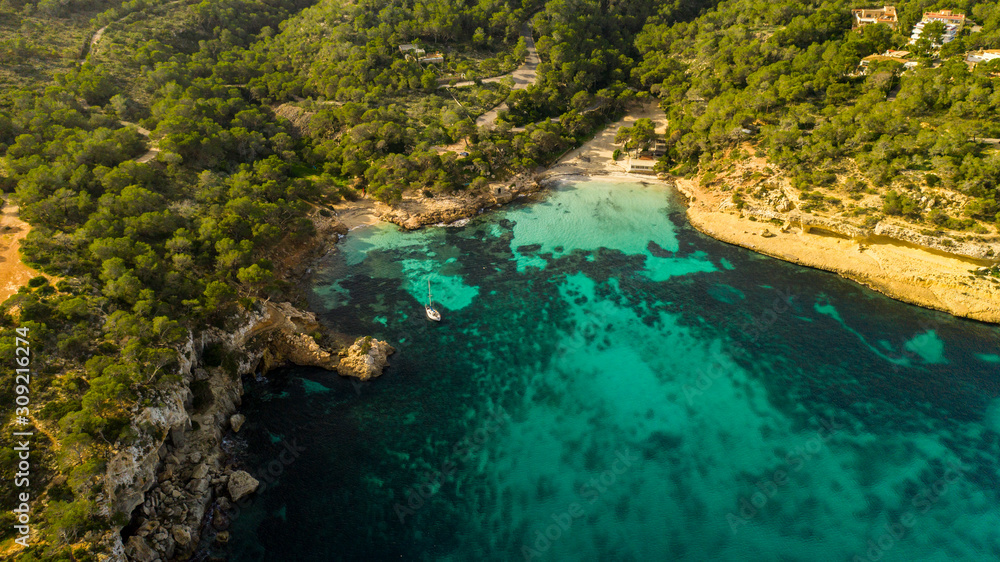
608, 384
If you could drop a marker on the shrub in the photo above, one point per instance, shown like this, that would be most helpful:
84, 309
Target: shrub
895, 204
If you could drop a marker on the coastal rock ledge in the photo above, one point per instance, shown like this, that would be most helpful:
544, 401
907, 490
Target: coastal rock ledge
284, 334
175, 473
365, 359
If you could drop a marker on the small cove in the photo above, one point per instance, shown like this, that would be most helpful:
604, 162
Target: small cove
609, 384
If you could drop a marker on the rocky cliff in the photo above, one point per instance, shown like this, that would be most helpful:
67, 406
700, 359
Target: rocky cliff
983, 249
980, 250
169, 477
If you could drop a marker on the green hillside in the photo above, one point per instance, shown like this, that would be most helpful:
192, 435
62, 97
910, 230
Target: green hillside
145, 252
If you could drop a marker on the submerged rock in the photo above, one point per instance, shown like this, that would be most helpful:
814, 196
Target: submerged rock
365, 359
241, 484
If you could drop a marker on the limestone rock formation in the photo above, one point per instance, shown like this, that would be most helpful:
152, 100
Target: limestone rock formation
169, 475
365, 359
414, 212
182, 536
981, 250
138, 550
285, 334
236, 422
240, 484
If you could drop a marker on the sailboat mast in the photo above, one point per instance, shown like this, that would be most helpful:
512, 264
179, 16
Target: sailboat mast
430, 299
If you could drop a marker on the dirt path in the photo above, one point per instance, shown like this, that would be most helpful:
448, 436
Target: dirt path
153, 149
148, 156
97, 37
100, 32
524, 76
13, 272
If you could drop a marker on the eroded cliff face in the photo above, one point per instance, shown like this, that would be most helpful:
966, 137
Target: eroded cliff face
980, 250
168, 479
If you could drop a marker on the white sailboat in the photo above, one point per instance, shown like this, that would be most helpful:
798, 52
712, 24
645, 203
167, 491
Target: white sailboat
432, 313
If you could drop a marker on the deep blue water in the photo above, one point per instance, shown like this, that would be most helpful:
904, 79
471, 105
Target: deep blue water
609, 384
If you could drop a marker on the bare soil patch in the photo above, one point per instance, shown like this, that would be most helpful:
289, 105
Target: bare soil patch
13, 272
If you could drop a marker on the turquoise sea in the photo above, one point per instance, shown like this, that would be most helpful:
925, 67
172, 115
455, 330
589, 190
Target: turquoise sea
609, 384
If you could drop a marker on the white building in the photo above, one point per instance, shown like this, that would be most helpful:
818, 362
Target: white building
953, 24
640, 165
983, 56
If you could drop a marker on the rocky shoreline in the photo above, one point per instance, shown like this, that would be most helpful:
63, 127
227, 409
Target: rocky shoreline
177, 477
180, 486
414, 212
177, 483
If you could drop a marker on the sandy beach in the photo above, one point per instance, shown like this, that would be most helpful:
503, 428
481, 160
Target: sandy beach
899, 270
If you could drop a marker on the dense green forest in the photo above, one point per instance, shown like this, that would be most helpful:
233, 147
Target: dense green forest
141, 256
783, 75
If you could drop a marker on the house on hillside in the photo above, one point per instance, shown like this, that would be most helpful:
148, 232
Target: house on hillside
411, 49
894, 56
946, 17
976, 57
953, 24
432, 58
870, 16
